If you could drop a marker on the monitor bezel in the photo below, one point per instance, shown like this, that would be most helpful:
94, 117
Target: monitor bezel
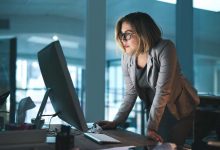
45, 63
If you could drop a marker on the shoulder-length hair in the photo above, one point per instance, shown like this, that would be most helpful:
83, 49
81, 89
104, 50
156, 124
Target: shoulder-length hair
144, 27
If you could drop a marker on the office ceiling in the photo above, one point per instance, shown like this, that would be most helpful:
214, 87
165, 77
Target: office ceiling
66, 18
63, 8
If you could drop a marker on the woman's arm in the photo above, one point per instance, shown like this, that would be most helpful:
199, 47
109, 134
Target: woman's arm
129, 97
128, 100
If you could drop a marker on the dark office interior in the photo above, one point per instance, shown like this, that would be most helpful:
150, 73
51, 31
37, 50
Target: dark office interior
85, 29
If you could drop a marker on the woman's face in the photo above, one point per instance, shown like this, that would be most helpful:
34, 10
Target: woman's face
128, 38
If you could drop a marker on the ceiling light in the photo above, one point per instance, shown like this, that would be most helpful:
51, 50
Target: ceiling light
211, 5
45, 40
40, 40
168, 1
55, 38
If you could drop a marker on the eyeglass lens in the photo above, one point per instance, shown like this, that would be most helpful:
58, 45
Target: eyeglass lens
125, 36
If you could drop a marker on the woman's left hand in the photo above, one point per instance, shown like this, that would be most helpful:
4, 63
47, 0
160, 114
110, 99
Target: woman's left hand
154, 136
107, 124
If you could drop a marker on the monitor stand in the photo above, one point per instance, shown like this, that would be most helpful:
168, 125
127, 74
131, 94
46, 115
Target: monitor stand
37, 121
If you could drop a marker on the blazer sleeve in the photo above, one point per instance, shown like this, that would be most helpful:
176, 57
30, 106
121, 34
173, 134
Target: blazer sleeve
168, 63
130, 94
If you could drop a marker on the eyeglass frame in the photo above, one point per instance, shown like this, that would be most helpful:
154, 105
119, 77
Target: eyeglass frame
125, 36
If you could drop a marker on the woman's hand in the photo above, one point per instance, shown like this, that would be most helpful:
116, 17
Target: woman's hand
106, 124
154, 136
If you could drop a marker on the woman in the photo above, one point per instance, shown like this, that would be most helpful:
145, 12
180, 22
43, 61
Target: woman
151, 71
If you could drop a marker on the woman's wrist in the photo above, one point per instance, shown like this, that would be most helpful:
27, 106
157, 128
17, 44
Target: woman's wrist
151, 130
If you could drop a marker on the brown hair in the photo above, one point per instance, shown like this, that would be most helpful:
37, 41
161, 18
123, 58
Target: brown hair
146, 29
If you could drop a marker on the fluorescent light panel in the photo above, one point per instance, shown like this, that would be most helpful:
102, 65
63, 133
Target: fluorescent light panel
44, 40
210, 5
168, 1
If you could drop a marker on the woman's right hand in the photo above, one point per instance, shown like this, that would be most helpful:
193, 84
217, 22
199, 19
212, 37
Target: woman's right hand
107, 124
154, 136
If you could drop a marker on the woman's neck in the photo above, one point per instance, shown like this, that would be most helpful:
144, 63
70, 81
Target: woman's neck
141, 60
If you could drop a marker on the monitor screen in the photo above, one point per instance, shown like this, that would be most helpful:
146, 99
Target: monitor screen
56, 77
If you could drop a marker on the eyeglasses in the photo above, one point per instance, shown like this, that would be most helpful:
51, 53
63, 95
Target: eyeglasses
125, 36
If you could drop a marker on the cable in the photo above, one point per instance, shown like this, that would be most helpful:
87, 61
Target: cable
57, 113
54, 115
74, 132
50, 122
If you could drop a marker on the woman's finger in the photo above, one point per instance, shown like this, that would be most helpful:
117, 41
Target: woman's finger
154, 136
101, 122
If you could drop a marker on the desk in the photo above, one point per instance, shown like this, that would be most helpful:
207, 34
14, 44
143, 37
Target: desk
127, 139
83, 143
207, 117
17, 142
207, 121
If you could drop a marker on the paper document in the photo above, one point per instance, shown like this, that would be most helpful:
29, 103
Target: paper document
120, 148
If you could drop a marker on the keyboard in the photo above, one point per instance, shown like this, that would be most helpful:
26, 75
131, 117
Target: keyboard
101, 138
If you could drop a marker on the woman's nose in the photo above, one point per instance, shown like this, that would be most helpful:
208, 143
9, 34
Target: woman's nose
124, 41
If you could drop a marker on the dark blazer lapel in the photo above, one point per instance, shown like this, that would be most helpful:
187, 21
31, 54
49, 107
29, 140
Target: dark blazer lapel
132, 69
149, 65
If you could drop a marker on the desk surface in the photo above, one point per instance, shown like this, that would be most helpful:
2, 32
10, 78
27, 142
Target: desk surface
127, 139
83, 143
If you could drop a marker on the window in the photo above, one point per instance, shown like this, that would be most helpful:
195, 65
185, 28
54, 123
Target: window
206, 51
30, 83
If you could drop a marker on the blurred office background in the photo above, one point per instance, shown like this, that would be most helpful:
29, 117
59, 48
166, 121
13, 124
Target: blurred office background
85, 29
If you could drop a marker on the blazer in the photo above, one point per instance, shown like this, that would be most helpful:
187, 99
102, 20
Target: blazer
164, 76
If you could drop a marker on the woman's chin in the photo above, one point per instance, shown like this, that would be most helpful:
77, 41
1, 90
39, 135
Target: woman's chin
129, 52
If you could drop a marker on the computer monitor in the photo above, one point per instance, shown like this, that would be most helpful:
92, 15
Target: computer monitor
62, 93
